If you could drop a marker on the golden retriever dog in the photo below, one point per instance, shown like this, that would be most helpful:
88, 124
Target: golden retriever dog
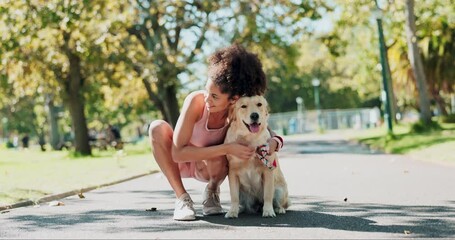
253, 183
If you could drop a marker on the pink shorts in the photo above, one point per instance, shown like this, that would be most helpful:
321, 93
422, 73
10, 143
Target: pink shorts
189, 170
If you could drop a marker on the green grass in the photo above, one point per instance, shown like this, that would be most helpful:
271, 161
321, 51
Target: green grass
436, 145
31, 174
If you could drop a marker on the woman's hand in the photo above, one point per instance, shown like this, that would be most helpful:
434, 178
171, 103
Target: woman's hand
241, 151
273, 145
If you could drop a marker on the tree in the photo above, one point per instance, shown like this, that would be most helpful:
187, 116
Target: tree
351, 53
173, 35
436, 38
434, 31
354, 30
70, 42
160, 27
416, 63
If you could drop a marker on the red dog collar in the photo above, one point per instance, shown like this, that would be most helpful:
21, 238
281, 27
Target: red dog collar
262, 153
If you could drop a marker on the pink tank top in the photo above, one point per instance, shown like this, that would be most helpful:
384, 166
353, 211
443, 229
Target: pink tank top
203, 136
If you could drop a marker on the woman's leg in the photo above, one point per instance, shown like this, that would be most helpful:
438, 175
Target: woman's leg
160, 135
217, 170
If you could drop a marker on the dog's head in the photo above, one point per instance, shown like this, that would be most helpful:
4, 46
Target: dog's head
250, 113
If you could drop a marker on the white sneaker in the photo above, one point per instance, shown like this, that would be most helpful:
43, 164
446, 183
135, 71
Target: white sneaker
211, 204
184, 210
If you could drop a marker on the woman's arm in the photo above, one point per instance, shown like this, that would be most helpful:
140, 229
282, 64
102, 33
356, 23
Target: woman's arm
275, 142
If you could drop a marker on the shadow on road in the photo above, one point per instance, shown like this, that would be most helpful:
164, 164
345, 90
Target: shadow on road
420, 221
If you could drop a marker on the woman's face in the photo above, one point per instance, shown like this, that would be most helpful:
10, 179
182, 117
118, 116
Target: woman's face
215, 100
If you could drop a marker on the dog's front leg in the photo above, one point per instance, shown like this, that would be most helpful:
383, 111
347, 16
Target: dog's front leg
269, 189
234, 188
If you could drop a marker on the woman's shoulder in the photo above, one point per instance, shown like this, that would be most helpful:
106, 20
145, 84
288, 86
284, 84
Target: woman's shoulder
196, 97
194, 103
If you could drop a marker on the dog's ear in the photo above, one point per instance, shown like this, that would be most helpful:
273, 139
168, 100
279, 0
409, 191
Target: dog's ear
231, 113
232, 106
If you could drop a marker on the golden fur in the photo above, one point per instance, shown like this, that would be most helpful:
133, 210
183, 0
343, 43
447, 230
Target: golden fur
252, 185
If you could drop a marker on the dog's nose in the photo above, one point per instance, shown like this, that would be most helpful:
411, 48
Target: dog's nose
254, 116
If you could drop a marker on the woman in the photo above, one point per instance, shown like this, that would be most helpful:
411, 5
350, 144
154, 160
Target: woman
195, 148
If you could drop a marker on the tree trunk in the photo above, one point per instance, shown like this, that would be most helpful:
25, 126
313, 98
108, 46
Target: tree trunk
76, 108
53, 119
441, 104
166, 102
75, 100
171, 105
416, 63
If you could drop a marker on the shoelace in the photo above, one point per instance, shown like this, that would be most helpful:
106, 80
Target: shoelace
214, 196
187, 202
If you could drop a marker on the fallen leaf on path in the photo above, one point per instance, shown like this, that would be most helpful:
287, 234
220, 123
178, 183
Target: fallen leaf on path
56, 203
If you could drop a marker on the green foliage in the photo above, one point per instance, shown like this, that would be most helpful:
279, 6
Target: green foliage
405, 140
448, 119
372, 102
133, 54
355, 35
422, 127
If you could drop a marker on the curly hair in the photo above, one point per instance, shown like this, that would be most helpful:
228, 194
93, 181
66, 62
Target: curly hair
237, 72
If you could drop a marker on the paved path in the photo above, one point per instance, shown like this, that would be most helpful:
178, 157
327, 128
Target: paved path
338, 190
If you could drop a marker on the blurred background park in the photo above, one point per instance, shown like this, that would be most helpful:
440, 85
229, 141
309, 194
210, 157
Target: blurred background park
80, 80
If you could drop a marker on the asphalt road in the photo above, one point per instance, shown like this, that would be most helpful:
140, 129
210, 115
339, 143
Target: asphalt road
338, 190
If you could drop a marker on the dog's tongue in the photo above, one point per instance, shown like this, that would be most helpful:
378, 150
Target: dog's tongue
254, 127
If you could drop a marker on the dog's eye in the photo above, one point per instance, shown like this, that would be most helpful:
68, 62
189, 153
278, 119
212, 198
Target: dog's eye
259, 104
243, 106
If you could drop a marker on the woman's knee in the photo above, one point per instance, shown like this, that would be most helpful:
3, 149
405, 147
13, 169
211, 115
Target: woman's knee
160, 134
159, 129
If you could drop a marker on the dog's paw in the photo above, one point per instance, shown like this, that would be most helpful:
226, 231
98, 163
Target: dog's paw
280, 210
232, 214
268, 212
